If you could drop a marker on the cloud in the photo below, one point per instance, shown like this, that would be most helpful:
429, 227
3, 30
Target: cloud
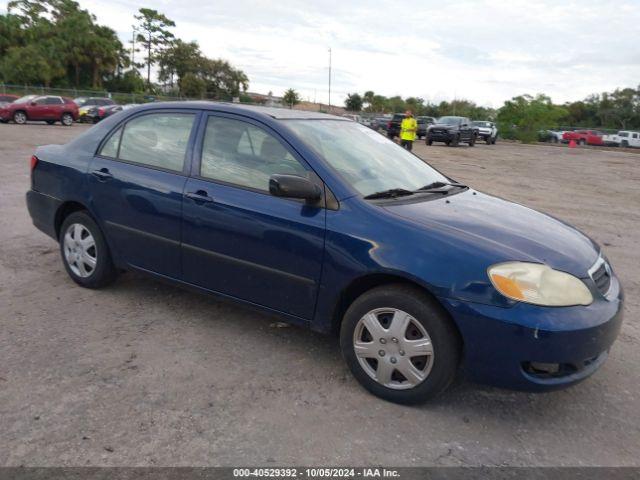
483, 50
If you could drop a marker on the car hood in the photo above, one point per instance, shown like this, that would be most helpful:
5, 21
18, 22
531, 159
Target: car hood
442, 125
509, 230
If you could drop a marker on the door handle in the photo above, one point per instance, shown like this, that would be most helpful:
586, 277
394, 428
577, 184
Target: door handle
102, 174
199, 197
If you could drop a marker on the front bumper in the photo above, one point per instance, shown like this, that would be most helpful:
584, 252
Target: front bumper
506, 347
440, 136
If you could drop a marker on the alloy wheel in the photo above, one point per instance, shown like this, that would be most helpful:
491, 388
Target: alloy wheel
80, 251
20, 118
393, 348
67, 119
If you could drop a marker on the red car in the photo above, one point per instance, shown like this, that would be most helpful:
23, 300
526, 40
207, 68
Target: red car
47, 108
584, 137
6, 98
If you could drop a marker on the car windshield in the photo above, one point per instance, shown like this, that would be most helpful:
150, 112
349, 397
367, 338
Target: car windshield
450, 120
363, 158
25, 99
80, 101
482, 124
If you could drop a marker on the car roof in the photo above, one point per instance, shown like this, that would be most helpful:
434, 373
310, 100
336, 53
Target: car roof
250, 110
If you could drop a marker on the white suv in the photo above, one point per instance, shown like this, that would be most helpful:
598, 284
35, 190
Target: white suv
487, 131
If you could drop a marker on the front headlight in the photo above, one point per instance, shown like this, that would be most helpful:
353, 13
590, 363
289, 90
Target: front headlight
538, 284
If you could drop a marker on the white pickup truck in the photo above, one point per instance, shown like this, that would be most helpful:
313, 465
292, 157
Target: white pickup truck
624, 138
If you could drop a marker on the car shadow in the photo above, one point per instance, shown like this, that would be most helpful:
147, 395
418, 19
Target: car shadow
463, 397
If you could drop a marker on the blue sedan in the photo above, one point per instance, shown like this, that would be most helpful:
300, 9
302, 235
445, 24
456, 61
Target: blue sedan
329, 225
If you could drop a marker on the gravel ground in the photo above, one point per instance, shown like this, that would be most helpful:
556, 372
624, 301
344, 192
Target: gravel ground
146, 374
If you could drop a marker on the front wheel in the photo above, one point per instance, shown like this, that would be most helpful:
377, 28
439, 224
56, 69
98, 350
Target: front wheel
429, 142
455, 141
20, 118
85, 253
67, 119
472, 141
400, 344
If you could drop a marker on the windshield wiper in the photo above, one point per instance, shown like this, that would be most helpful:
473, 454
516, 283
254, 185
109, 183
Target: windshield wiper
391, 193
437, 186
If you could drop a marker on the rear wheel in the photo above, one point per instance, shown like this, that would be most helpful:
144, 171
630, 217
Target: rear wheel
472, 140
84, 251
67, 119
429, 141
400, 344
624, 144
20, 118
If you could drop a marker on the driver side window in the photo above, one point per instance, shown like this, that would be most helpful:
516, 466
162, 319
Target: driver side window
242, 154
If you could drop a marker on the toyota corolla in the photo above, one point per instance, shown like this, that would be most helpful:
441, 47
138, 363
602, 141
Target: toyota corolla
330, 225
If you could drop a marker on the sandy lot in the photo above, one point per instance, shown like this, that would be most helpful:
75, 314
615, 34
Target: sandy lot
146, 374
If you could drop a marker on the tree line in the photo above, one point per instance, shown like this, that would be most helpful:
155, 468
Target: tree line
55, 43
522, 117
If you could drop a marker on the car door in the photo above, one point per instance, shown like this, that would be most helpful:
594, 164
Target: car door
37, 109
465, 129
53, 109
239, 240
136, 182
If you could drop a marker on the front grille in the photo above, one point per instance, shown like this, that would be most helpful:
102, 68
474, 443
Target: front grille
601, 276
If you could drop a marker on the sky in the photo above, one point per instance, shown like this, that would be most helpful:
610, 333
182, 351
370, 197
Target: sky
486, 51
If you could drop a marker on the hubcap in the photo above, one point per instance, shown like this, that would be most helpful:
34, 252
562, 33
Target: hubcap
393, 348
20, 117
80, 251
67, 120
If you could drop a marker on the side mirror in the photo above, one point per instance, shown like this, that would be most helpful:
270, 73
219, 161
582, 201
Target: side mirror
294, 186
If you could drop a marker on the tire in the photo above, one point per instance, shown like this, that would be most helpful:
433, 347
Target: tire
74, 232
428, 325
66, 119
455, 141
472, 140
429, 142
624, 144
51, 122
493, 140
20, 117
581, 142
488, 140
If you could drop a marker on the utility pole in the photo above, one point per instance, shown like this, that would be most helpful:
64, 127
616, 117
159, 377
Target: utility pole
133, 46
329, 79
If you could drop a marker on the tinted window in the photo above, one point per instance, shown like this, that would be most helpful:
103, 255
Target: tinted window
243, 154
635, 135
158, 140
40, 101
110, 149
53, 101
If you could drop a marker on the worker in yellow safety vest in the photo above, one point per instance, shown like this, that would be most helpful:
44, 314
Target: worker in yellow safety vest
408, 130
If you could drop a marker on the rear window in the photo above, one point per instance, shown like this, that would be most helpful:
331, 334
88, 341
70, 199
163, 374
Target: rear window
398, 117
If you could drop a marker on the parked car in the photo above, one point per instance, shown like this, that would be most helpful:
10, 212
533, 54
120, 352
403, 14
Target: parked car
623, 138
584, 137
321, 221
88, 103
353, 117
487, 131
393, 125
94, 114
381, 123
48, 108
452, 131
6, 98
423, 124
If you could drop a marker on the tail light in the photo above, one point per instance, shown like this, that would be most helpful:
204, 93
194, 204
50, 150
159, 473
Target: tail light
101, 112
33, 163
